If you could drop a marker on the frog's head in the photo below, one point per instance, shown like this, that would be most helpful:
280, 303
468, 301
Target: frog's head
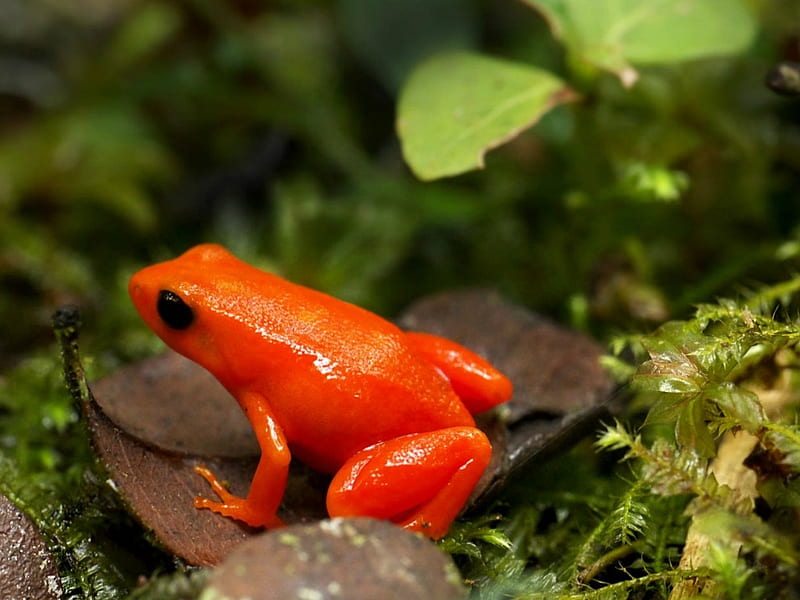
180, 301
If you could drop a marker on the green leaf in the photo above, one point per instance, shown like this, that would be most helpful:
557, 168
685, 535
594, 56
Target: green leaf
739, 404
614, 34
666, 410
672, 367
456, 106
691, 430
666, 384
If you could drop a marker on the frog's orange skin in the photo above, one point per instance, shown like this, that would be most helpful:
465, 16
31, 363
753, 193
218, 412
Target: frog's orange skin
344, 390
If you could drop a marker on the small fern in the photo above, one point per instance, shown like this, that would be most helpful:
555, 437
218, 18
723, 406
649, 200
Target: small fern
614, 536
727, 370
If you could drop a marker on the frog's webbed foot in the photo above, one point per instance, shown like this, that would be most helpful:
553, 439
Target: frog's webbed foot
231, 505
418, 481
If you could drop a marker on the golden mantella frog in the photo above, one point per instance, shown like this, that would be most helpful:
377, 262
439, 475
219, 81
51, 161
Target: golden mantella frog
388, 412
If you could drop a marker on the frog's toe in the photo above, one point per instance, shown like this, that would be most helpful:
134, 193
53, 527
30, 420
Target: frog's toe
217, 507
241, 510
231, 507
216, 485
247, 510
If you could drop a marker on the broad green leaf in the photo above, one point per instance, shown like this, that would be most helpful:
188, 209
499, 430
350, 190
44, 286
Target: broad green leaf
616, 34
457, 106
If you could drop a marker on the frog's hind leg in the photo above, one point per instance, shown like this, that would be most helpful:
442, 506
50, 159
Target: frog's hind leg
479, 385
418, 481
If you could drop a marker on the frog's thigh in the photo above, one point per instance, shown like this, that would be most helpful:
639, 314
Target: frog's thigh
479, 385
419, 481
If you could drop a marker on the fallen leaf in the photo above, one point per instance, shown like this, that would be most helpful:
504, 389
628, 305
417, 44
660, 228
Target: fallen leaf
165, 400
27, 569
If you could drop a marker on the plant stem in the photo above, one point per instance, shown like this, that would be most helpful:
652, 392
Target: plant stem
589, 573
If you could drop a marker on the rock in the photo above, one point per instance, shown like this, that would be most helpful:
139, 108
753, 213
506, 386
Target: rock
357, 559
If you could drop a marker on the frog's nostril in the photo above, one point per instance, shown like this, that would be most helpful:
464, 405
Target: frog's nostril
137, 292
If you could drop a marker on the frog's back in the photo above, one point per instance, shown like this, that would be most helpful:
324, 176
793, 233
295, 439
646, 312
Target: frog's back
340, 378
356, 373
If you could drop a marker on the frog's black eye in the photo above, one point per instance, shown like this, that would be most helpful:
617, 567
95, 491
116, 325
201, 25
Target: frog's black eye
175, 313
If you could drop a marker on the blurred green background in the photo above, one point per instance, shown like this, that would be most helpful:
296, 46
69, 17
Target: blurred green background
132, 129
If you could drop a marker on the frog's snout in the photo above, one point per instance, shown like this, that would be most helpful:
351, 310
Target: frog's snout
135, 290
140, 293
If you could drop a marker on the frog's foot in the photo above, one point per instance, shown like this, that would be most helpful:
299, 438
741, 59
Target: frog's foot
233, 506
418, 481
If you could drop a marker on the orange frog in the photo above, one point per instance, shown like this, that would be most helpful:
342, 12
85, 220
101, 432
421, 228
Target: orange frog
347, 392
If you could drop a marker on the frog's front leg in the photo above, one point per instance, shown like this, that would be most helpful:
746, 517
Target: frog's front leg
259, 508
419, 481
476, 382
